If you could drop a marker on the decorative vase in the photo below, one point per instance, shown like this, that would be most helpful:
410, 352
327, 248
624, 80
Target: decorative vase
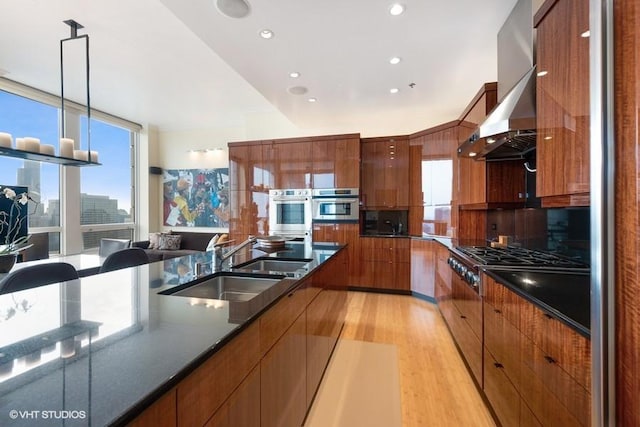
7, 261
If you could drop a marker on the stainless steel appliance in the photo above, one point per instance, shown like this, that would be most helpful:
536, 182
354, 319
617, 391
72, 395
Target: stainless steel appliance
335, 205
519, 258
290, 213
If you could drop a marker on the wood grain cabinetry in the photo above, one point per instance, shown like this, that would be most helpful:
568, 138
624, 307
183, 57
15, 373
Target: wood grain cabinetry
627, 215
423, 267
385, 173
465, 323
269, 373
242, 408
283, 377
537, 369
562, 101
336, 162
325, 316
291, 162
161, 414
201, 394
342, 233
385, 263
442, 275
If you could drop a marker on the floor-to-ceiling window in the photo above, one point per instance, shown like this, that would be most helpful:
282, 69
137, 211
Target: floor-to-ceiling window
76, 206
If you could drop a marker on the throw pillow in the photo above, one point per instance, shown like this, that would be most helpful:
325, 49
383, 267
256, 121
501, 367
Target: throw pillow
154, 240
169, 242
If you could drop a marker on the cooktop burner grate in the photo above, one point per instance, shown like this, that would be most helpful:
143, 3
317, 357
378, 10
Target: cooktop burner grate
515, 256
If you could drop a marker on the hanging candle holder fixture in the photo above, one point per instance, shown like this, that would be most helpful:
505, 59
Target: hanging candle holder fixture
89, 156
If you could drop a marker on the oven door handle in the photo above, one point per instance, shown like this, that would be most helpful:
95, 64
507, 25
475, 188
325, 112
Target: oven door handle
290, 199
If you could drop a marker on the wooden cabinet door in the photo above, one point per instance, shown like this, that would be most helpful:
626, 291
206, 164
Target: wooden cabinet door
204, 391
242, 408
385, 173
562, 100
248, 214
423, 262
372, 180
162, 413
319, 340
283, 385
336, 163
292, 164
396, 177
503, 396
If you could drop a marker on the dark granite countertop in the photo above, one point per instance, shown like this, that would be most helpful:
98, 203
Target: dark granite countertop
565, 295
106, 346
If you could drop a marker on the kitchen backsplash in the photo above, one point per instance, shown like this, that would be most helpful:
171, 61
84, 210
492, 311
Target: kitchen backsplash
565, 231
384, 222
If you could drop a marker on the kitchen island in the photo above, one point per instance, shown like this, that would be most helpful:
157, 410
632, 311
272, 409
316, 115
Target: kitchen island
103, 349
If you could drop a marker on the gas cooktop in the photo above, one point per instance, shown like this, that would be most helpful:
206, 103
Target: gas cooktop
519, 257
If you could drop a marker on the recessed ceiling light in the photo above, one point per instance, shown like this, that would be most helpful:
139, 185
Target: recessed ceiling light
395, 60
396, 9
266, 34
542, 73
586, 34
312, 100
294, 74
394, 90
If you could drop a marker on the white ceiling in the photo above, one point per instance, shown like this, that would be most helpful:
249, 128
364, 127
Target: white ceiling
182, 65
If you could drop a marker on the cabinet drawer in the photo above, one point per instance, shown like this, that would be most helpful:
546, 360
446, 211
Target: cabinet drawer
204, 390
570, 350
385, 249
469, 344
554, 397
500, 392
278, 318
502, 340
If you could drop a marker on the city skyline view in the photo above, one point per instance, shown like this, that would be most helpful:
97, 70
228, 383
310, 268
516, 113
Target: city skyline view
22, 117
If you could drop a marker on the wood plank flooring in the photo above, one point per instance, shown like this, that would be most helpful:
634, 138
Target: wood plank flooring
436, 388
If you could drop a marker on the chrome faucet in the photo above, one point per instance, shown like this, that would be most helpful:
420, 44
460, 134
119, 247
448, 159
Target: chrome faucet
223, 257
219, 257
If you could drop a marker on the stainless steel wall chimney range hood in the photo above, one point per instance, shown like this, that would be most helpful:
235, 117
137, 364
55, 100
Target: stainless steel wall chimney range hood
509, 131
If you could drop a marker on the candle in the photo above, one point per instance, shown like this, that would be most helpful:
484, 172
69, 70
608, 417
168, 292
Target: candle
19, 143
66, 147
94, 156
48, 149
80, 155
5, 140
32, 144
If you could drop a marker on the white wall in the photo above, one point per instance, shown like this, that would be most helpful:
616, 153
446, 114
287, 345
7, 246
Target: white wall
171, 150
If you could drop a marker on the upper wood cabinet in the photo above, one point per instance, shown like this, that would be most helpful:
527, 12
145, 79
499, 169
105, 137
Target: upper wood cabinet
291, 163
385, 172
336, 162
247, 168
562, 100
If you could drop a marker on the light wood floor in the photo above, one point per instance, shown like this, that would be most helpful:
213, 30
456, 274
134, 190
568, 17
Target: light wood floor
436, 388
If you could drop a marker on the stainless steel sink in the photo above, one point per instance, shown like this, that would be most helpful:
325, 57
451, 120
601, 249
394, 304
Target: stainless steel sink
228, 288
279, 265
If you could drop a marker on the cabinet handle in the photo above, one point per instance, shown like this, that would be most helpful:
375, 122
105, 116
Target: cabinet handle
549, 359
548, 316
291, 294
462, 316
498, 365
495, 310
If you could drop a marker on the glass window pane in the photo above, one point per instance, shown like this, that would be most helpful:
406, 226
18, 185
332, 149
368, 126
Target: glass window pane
22, 117
106, 190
